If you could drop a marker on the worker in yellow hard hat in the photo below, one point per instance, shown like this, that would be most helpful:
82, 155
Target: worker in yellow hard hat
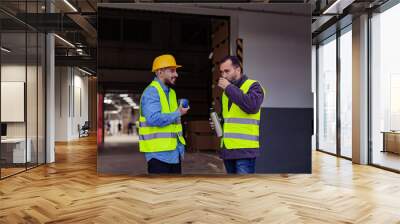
160, 129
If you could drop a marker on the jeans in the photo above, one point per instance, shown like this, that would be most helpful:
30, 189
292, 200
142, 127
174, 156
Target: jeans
240, 166
155, 166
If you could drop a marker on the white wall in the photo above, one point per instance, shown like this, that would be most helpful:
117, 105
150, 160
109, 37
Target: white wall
80, 100
276, 45
61, 103
70, 83
14, 72
18, 73
33, 125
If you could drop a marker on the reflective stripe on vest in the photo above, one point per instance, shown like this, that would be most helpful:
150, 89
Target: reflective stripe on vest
159, 139
241, 136
241, 130
159, 135
144, 124
241, 121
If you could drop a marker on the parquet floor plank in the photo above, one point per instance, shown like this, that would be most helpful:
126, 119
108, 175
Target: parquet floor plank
70, 191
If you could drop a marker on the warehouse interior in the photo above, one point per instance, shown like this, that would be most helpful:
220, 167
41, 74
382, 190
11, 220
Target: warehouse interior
72, 74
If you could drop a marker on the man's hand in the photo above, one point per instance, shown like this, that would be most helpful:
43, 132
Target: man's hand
183, 110
223, 83
211, 124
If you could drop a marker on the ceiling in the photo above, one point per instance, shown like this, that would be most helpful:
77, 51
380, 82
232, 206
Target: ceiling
76, 20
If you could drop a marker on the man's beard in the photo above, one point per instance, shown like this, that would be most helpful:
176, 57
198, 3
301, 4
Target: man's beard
169, 83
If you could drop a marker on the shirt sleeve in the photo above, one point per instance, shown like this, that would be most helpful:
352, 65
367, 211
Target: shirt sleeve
249, 102
151, 109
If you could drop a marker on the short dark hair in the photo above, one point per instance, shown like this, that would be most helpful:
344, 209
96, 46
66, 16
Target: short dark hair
234, 59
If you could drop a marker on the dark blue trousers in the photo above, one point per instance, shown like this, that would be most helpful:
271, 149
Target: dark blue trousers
155, 166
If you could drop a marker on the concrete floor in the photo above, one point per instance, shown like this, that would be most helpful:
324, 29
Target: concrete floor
123, 138
125, 158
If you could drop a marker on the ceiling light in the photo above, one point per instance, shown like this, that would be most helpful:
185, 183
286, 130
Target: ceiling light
84, 71
70, 5
123, 95
65, 41
5, 50
331, 7
337, 7
128, 100
79, 51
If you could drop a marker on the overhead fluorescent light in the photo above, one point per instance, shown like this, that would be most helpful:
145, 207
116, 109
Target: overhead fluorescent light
80, 51
128, 99
338, 6
329, 9
84, 71
65, 41
70, 5
5, 50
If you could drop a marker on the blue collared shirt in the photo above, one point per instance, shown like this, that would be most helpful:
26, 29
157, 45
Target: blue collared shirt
151, 110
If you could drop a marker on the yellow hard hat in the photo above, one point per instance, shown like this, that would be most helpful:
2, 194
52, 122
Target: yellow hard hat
164, 61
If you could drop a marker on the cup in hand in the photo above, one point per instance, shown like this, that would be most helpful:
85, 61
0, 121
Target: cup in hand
184, 103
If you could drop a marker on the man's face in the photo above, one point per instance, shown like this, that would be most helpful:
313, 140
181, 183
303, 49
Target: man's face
228, 71
169, 75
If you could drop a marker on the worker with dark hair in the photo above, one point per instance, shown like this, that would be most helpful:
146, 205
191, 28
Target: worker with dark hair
241, 103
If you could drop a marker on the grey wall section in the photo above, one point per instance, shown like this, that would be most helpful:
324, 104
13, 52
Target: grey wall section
285, 140
278, 54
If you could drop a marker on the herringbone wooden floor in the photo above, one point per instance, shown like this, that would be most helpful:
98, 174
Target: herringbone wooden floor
70, 191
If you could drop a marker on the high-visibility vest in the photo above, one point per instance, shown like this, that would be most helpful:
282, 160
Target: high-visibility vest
241, 130
159, 139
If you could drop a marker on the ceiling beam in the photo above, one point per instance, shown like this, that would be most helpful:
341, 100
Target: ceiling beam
84, 24
82, 61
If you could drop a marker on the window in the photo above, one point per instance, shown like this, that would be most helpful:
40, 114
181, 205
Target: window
22, 65
346, 93
327, 96
385, 88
